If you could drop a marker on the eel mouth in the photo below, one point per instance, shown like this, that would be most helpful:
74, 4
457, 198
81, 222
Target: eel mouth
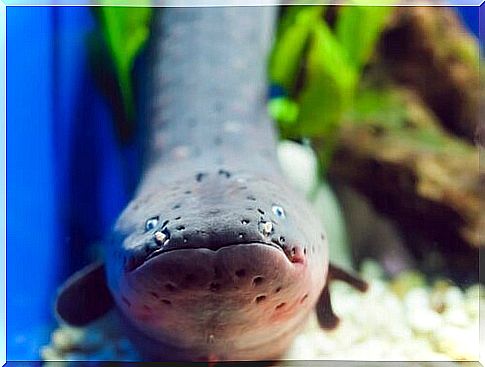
136, 261
162, 251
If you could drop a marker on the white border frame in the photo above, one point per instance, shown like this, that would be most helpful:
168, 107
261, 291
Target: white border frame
164, 3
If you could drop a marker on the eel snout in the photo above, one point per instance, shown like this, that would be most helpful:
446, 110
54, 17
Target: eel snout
217, 212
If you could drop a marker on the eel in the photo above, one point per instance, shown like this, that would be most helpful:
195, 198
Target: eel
216, 257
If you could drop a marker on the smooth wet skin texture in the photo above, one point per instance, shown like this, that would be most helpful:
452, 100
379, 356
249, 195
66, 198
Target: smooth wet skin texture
216, 257
232, 302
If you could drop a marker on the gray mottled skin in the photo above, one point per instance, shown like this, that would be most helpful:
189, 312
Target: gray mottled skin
243, 260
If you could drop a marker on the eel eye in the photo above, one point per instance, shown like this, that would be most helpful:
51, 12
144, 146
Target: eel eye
278, 211
151, 223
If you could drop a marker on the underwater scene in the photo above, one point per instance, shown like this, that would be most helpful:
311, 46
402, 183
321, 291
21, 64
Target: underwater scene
291, 185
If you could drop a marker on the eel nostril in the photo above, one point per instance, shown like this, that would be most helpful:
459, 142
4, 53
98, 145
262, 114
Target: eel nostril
170, 287
162, 237
167, 302
190, 278
258, 280
241, 273
281, 305
260, 298
245, 221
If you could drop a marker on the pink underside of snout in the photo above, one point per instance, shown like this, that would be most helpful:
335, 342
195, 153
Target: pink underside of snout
241, 300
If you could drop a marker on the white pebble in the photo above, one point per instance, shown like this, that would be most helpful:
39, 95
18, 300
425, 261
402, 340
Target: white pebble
456, 316
424, 320
299, 163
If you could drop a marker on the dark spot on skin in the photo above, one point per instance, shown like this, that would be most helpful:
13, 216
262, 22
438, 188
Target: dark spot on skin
258, 280
214, 211
278, 290
170, 287
188, 192
304, 298
154, 294
214, 287
217, 140
250, 197
176, 206
178, 218
280, 306
322, 236
218, 107
259, 299
167, 302
304, 250
180, 228
190, 278
165, 223
260, 211
241, 273
243, 188
200, 176
245, 221
224, 173
249, 209
126, 302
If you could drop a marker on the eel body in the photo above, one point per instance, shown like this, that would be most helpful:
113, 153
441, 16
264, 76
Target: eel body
216, 257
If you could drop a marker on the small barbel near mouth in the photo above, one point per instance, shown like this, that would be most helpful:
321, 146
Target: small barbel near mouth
160, 252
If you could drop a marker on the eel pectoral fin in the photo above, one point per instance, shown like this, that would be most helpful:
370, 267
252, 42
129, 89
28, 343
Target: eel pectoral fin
325, 314
84, 297
337, 273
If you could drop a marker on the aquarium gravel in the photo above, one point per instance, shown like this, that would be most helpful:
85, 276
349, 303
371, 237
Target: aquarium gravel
400, 319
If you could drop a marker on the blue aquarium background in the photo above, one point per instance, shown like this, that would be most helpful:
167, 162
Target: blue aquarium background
68, 176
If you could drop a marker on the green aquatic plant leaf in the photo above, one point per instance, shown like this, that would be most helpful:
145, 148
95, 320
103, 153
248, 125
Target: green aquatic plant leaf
358, 29
283, 110
292, 37
329, 86
125, 30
